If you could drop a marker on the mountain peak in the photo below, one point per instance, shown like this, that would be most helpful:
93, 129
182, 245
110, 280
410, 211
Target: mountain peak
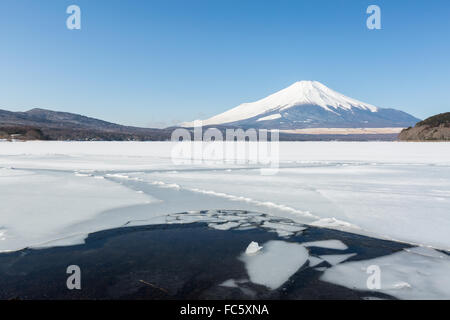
315, 93
303, 104
300, 93
307, 83
33, 110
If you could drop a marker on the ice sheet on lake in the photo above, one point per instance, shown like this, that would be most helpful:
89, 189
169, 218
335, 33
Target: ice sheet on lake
391, 201
384, 189
335, 259
36, 207
65, 241
418, 273
121, 153
427, 252
334, 223
314, 261
328, 244
275, 263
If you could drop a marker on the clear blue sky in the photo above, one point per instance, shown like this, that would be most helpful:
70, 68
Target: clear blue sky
155, 63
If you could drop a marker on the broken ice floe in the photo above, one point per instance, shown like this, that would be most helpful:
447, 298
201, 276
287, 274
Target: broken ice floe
314, 261
285, 229
239, 220
327, 244
224, 226
335, 259
253, 248
230, 283
417, 273
274, 265
321, 269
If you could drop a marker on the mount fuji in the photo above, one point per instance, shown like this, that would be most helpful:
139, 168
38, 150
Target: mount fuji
309, 104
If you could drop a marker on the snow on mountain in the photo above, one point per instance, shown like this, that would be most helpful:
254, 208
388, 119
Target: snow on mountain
309, 104
271, 117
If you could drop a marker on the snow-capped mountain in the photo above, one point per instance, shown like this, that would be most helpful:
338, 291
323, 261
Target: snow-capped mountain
309, 104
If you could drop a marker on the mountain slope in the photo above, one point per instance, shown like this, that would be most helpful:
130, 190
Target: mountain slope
309, 104
56, 119
435, 128
41, 124
54, 125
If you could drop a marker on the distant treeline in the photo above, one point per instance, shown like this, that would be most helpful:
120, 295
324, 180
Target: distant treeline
22, 133
32, 133
58, 134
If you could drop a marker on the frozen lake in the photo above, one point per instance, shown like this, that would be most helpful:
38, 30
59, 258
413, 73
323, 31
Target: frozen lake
390, 190
225, 254
57, 193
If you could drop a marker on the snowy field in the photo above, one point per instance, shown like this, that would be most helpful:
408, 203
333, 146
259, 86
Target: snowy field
55, 193
391, 190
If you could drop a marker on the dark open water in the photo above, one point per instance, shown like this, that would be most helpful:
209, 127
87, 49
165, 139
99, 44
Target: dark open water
182, 261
